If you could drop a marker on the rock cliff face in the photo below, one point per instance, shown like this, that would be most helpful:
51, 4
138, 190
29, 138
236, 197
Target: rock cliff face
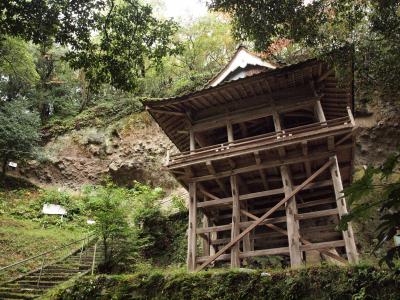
380, 133
134, 148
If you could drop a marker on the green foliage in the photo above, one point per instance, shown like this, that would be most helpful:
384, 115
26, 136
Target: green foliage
178, 203
129, 39
378, 188
109, 42
105, 112
19, 132
361, 282
159, 237
149, 221
207, 46
369, 27
28, 203
17, 68
106, 205
22, 238
43, 22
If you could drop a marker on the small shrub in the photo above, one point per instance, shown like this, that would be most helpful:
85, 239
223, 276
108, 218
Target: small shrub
105, 205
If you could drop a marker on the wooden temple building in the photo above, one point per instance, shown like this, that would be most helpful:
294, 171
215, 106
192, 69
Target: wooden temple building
264, 152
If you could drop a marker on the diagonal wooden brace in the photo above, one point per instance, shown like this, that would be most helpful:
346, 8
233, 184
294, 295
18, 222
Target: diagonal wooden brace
266, 215
326, 252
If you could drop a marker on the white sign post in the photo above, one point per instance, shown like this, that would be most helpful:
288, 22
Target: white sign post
12, 164
54, 209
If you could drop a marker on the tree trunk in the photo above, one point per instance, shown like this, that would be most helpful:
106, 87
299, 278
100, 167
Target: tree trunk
84, 90
4, 167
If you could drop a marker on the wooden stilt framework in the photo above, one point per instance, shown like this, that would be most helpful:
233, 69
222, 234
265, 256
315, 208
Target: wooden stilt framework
265, 159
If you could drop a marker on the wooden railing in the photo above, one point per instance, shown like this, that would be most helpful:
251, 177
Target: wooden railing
267, 138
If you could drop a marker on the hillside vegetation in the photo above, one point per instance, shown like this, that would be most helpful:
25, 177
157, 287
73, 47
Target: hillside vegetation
25, 232
327, 282
73, 78
151, 234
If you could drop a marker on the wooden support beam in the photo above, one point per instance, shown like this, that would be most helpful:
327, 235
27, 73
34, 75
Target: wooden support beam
212, 171
265, 216
307, 164
228, 200
347, 136
299, 205
323, 245
192, 141
348, 235
269, 143
229, 130
319, 112
260, 111
291, 223
278, 127
350, 113
205, 193
325, 75
235, 231
261, 172
167, 112
317, 214
192, 240
246, 239
274, 251
328, 252
206, 242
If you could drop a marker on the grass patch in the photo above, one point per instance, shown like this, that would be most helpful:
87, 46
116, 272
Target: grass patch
25, 232
20, 239
100, 115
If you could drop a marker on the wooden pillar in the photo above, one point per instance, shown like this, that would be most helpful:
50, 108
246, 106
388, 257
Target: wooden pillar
206, 242
319, 112
277, 121
229, 130
348, 235
291, 223
192, 141
192, 241
246, 238
290, 207
235, 231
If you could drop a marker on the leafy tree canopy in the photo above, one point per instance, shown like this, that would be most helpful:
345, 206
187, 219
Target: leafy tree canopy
46, 21
18, 131
17, 68
129, 40
110, 40
207, 45
372, 27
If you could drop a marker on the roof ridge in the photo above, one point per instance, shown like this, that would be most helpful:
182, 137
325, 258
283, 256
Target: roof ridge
232, 59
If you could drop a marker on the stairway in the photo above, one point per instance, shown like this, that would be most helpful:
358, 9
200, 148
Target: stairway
27, 287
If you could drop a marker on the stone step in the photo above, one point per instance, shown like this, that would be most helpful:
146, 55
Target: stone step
34, 282
52, 275
17, 289
30, 286
5, 295
78, 267
46, 277
55, 269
